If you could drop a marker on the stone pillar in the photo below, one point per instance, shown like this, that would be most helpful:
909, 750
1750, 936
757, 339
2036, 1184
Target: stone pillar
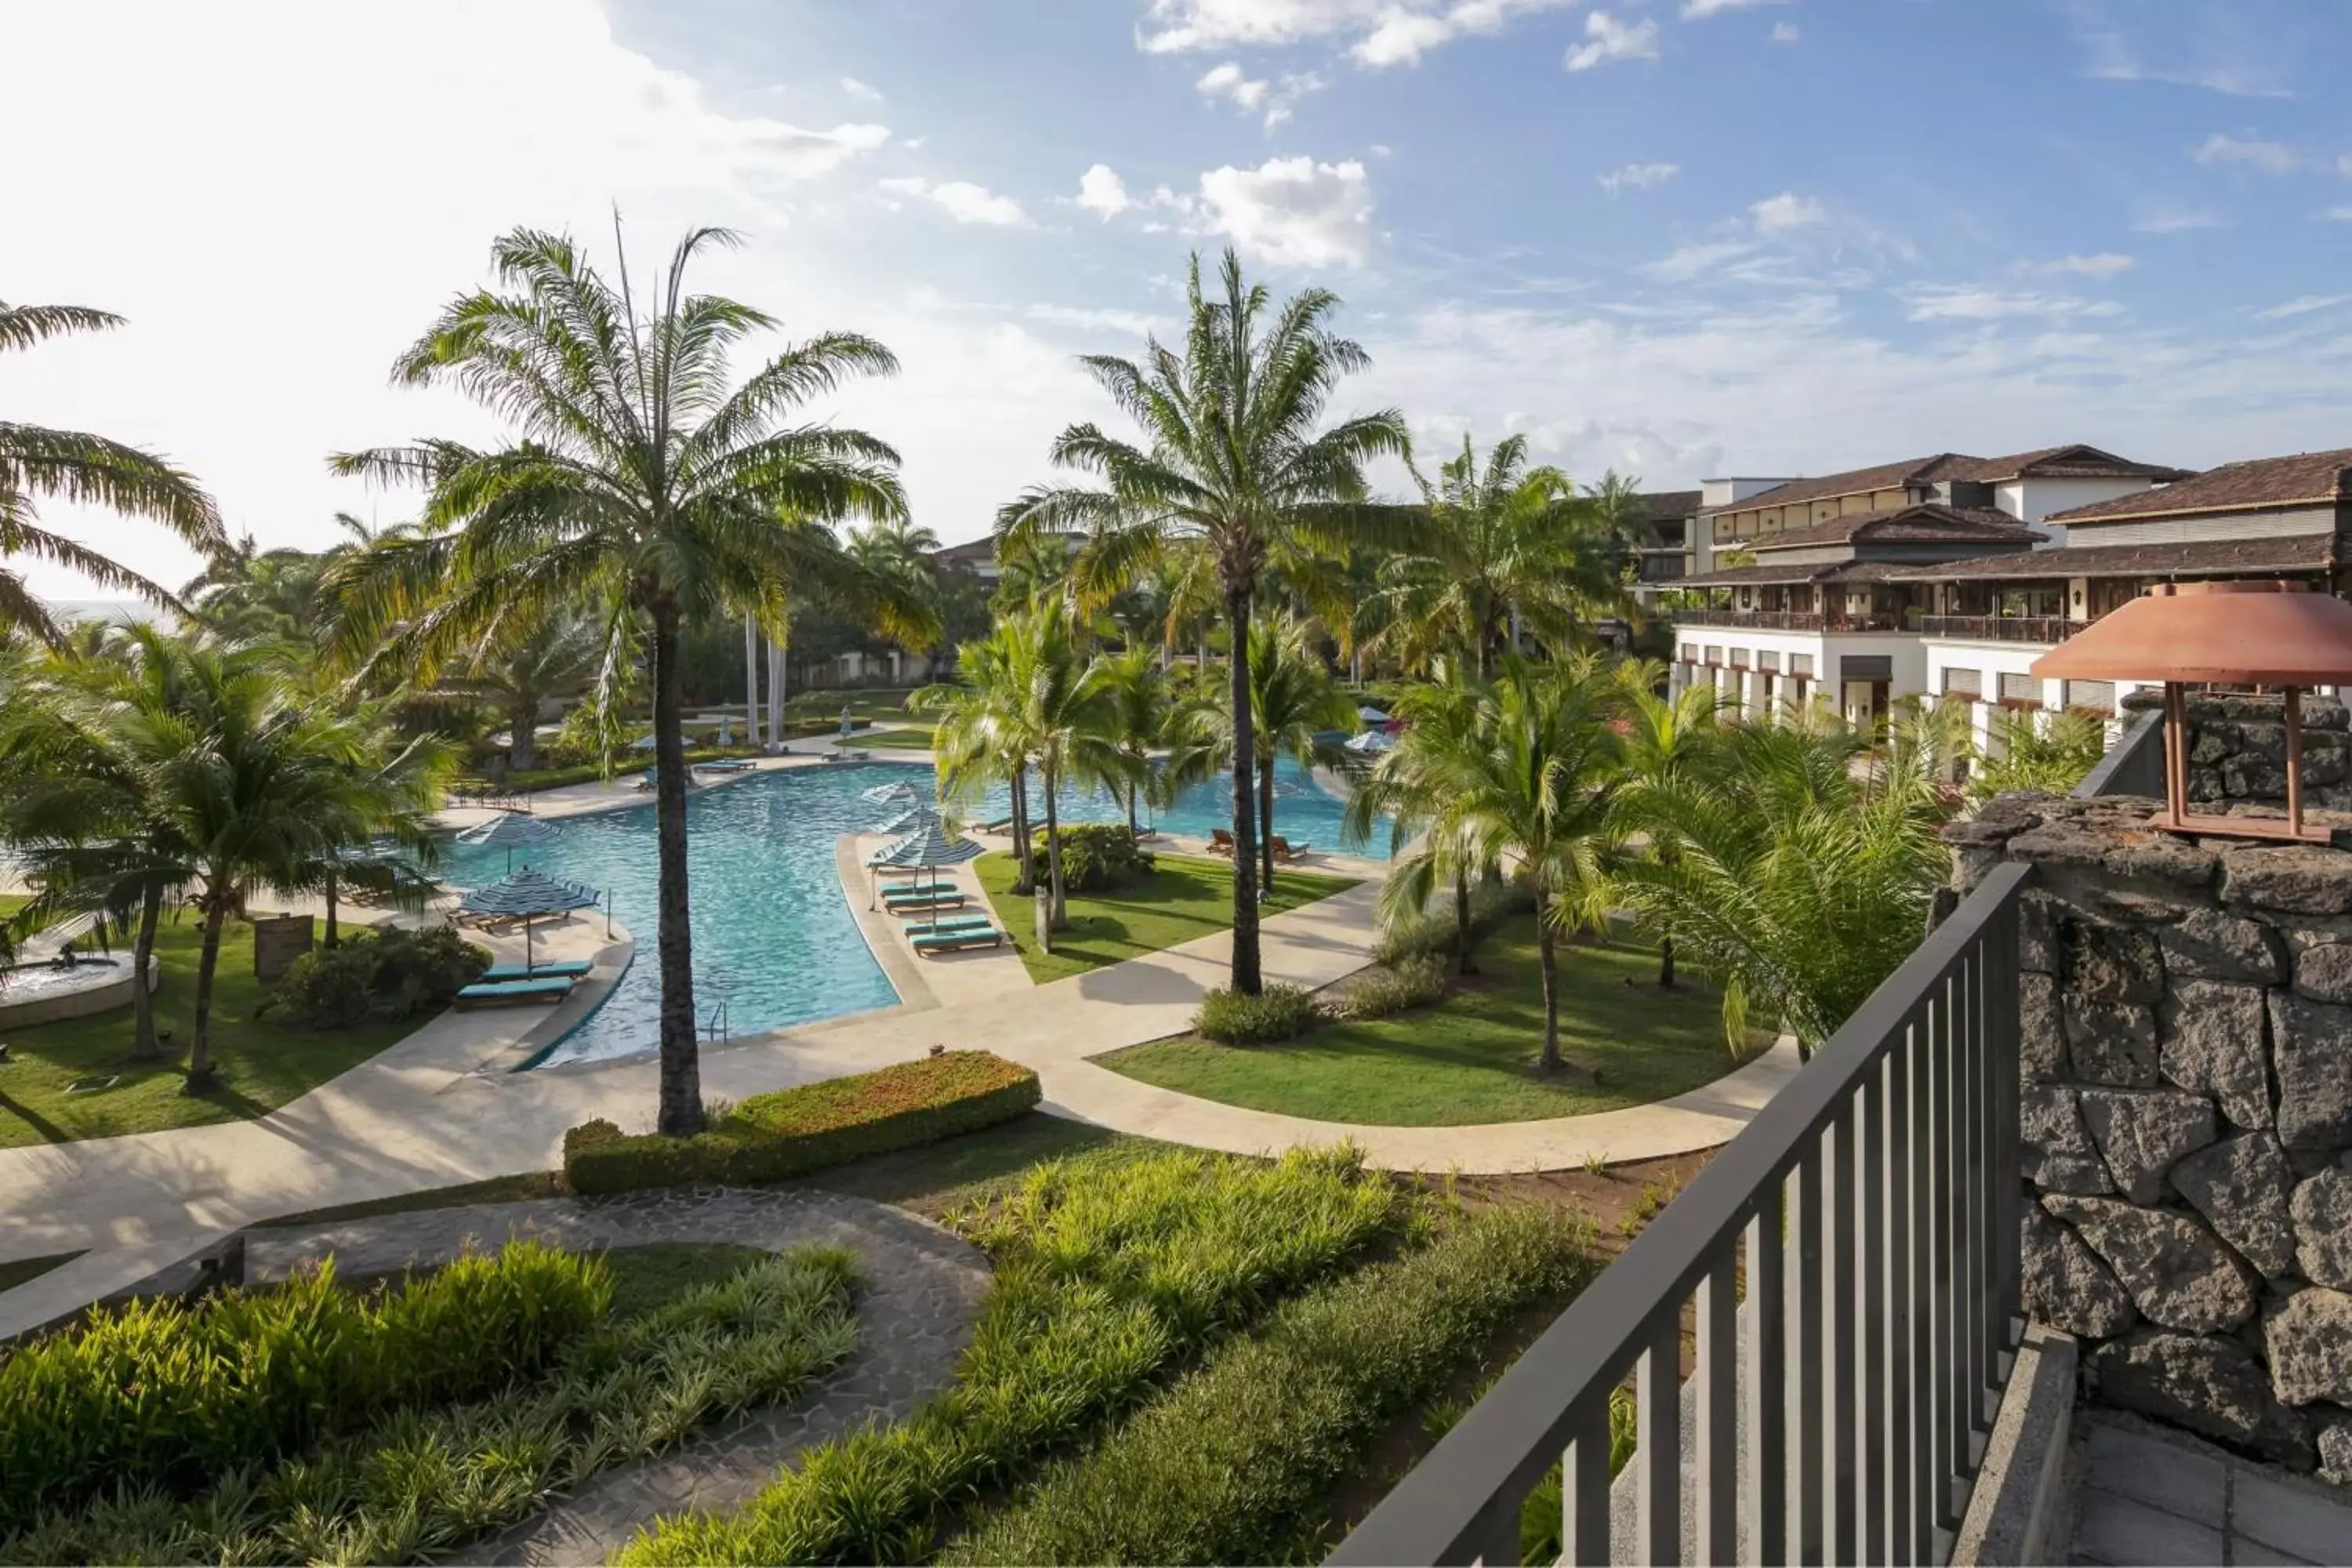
2186, 1046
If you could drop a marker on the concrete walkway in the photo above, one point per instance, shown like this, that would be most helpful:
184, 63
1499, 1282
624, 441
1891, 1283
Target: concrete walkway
429, 1111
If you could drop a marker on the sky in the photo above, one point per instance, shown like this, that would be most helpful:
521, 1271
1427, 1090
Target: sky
1677, 239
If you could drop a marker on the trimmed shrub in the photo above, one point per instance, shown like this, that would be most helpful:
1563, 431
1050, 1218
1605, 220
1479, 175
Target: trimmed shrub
1096, 856
1106, 1277
390, 973
1277, 1013
769, 1137
1408, 982
1232, 1464
153, 1394
1491, 904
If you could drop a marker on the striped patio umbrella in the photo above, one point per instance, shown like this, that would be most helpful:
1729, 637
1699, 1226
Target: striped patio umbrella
1372, 741
526, 895
927, 848
510, 831
898, 794
903, 823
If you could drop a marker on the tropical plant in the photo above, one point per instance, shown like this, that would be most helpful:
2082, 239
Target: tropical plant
37, 463
1439, 723
1668, 741
519, 674
980, 734
1800, 879
1140, 706
640, 487
2054, 755
1234, 455
1529, 781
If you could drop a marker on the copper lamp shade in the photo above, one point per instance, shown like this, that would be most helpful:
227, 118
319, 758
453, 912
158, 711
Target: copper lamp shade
2239, 634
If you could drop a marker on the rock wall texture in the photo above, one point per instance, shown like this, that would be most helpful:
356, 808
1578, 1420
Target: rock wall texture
2187, 1127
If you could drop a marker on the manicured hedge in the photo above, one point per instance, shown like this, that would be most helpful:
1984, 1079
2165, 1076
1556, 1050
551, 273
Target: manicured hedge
156, 1393
1278, 1013
795, 1130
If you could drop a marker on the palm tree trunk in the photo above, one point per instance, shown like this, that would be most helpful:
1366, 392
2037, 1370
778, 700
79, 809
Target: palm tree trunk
750, 682
1245, 976
1024, 880
1666, 962
1058, 914
1462, 964
681, 1066
1547, 963
777, 665
143, 954
1265, 822
1131, 787
334, 936
522, 730
200, 1077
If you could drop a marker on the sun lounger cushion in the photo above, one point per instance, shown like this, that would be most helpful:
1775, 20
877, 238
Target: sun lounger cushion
899, 901
568, 969
514, 991
960, 922
947, 940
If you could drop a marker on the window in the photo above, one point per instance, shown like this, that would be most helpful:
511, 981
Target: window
1801, 664
1713, 655
2021, 690
1690, 653
1965, 683
1767, 661
2099, 695
1738, 658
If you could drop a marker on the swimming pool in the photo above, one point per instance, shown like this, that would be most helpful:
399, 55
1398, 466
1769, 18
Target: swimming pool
773, 938
1303, 812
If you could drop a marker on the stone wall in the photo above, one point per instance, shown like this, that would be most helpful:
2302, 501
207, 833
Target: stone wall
2186, 1112
2237, 749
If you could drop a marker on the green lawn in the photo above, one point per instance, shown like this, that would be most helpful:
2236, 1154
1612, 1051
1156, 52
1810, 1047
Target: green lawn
915, 738
1470, 1058
262, 1063
1185, 898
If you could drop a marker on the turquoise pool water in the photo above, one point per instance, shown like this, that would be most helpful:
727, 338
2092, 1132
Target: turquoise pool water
773, 938
1303, 811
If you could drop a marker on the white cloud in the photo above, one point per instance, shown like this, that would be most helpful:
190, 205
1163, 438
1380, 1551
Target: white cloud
857, 88
1292, 212
1385, 32
2305, 306
1086, 319
1607, 39
1944, 302
2210, 48
1247, 94
2269, 157
1638, 176
962, 200
1227, 81
1689, 261
1777, 215
2339, 215
1697, 10
1785, 33
2177, 220
1101, 192
2106, 264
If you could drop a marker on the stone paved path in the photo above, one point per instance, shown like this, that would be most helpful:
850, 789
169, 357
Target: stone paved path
2154, 1496
923, 1295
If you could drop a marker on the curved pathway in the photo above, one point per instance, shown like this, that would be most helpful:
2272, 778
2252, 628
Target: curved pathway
923, 1290
426, 1113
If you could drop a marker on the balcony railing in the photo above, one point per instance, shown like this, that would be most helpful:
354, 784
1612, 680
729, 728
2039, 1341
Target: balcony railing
1659, 569
1999, 628
1851, 1257
1787, 621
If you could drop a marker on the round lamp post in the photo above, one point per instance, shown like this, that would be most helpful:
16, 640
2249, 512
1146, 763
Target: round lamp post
2235, 634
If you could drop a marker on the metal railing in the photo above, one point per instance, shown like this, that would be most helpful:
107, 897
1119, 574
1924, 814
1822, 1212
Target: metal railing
1787, 621
1852, 1262
1999, 628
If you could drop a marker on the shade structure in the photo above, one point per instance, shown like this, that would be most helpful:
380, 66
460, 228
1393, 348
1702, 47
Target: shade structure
1371, 715
525, 894
905, 822
898, 794
927, 848
2239, 634
1372, 742
510, 831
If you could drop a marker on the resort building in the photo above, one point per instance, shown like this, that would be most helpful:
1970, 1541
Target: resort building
1822, 586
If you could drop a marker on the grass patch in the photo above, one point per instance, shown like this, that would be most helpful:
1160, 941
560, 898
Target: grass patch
1469, 1059
263, 1062
24, 1270
1234, 1463
1105, 1281
918, 739
1184, 897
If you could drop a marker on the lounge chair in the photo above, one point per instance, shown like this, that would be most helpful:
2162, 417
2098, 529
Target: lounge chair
498, 994
724, 765
959, 922
1001, 825
563, 969
1221, 842
1284, 849
898, 903
951, 940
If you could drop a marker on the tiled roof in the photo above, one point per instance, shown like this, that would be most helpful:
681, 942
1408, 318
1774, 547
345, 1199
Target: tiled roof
2068, 462
2314, 477
1886, 477
1765, 577
1670, 505
1924, 522
2215, 557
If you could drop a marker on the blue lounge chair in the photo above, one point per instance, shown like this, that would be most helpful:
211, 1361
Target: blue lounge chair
565, 969
499, 993
958, 922
725, 766
951, 941
945, 899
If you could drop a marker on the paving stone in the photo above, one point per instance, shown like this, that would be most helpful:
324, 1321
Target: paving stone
2289, 1519
2116, 1530
2163, 1475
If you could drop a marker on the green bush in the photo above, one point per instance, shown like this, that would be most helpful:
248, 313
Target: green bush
1232, 1464
1277, 1013
419, 1483
1410, 982
1106, 1278
1491, 904
390, 973
1096, 856
769, 1137
153, 1394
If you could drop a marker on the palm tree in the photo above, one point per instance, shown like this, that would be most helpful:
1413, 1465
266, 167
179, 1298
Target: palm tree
640, 487
66, 465
980, 734
1440, 721
1798, 879
1234, 457
1667, 741
517, 675
1135, 684
1071, 718
1531, 783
